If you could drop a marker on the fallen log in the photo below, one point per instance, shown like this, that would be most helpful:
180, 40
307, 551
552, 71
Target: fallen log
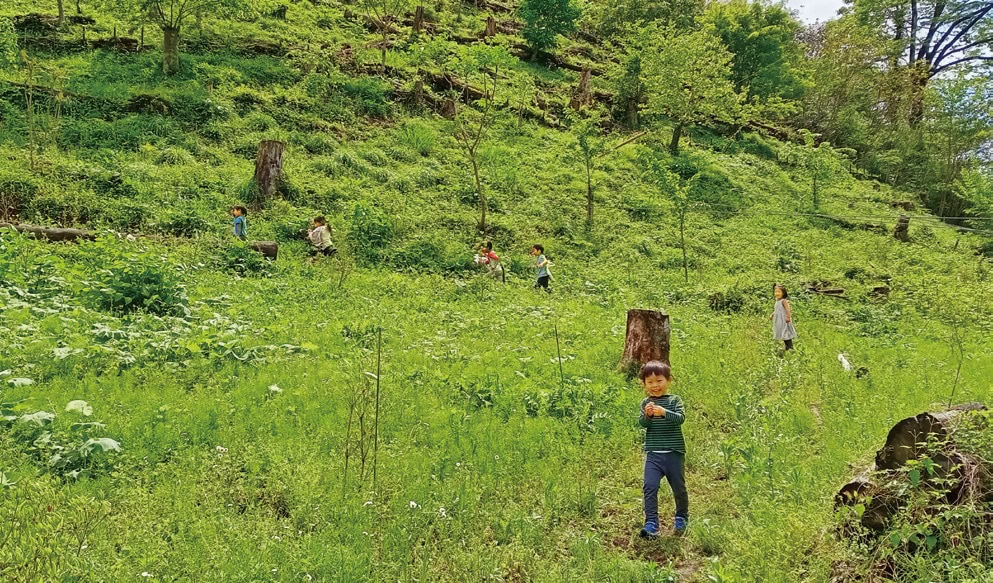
646, 339
908, 439
51, 233
954, 474
59, 235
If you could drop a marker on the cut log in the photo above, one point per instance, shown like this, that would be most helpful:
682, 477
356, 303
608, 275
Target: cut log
52, 234
879, 503
902, 230
268, 248
268, 169
490, 27
908, 438
646, 339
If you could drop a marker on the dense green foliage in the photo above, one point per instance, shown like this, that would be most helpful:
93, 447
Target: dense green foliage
234, 431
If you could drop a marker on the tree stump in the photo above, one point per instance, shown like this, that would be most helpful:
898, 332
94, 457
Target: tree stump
908, 438
418, 19
581, 98
490, 27
647, 338
268, 169
268, 248
902, 230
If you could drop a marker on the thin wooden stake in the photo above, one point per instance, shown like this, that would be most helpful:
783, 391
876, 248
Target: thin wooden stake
379, 372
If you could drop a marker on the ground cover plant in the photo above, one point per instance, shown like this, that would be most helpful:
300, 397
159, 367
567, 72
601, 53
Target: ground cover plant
174, 406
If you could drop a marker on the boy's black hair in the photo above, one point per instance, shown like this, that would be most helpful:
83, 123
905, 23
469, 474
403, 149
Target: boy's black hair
782, 287
244, 211
539, 248
655, 368
320, 220
488, 245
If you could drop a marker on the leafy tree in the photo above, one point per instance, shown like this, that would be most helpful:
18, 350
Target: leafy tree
629, 88
384, 13
8, 44
170, 16
930, 37
688, 78
615, 18
545, 20
480, 66
822, 162
658, 170
767, 58
590, 145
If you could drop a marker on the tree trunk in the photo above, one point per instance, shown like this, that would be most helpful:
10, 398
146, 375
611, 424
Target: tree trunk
268, 248
646, 339
52, 234
62, 12
677, 132
814, 191
268, 170
902, 230
479, 190
490, 27
418, 19
170, 50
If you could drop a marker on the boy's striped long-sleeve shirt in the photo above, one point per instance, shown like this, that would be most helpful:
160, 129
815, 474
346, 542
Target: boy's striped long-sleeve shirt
664, 433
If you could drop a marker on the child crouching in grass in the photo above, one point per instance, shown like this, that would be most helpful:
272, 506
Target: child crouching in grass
320, 238
662, 416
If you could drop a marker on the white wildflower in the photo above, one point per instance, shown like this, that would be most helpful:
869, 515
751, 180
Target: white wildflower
414, 505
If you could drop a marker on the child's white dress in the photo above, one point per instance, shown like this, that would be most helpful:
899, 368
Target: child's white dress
781, 329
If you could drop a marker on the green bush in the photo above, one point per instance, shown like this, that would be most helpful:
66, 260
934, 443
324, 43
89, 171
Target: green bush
419, 137
240, 259
369, 95
184, 222
433, 254
370, 235
131, 279
16, 192
757, 146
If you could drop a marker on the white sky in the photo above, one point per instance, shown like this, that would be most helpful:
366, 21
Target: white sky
813, 10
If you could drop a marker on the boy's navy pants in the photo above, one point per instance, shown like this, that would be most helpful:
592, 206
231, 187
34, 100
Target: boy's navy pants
669, 465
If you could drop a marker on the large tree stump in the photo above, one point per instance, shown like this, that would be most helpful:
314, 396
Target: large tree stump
647, 338
902, 230
490, 27
268, 248
52, 234
268, 169
908, 438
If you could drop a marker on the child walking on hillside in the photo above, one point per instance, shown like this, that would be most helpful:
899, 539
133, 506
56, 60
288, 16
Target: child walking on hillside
662, 416
240, 224
541, 263
491, 260
320, 238
782, 317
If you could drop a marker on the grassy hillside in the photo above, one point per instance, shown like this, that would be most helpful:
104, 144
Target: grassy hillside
227, 381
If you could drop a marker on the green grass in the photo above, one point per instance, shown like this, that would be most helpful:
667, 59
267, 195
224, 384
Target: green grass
232, 410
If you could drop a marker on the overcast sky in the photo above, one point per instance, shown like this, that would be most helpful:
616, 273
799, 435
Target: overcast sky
813, 10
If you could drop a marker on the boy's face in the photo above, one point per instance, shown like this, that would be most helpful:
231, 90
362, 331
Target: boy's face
534, 252
656, 385
236, 212
778, 293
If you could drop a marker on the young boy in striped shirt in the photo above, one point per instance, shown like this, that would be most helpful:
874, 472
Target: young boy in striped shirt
662, 416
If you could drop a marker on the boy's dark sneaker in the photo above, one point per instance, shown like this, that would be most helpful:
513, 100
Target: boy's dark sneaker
651, 530
679, 526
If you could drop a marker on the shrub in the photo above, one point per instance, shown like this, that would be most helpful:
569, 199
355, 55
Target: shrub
130, 280
240, 259
184, 222
729, 301
371, 234
369, 95
434, 254
419, 137
757, 146
15, 194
